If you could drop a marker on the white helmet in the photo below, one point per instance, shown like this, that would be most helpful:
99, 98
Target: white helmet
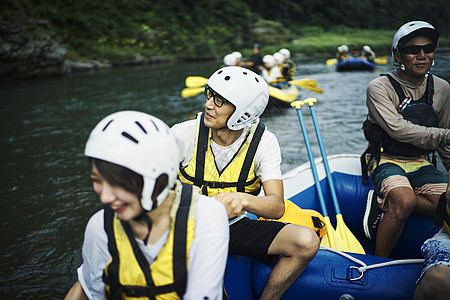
245, 89
367, 48
229, 60
269, 59
345, 48
286, 53
141, 143
237, 54
279, 58
414, 29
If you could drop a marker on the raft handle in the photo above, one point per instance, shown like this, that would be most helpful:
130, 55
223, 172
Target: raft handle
365, 267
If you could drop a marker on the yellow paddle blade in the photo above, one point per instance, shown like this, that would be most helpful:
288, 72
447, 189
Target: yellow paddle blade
191, 92
304, 82
333, 239
307, 83
348, 237
314, 89
331, 62
195, 81
381, 60
283, 96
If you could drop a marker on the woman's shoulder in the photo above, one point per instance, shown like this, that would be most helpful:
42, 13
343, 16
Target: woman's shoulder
183, 126
211, 211
95, 226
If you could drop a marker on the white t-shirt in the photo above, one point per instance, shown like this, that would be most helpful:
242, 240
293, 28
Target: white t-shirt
275, 73
207, 257
267, 156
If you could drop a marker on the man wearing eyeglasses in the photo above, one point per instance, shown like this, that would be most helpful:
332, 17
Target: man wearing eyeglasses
408, 120
229, 154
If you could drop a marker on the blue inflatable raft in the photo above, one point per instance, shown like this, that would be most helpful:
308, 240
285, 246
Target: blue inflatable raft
331, 273
354, 64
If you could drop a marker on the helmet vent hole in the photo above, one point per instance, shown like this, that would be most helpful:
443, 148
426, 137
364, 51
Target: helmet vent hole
220, 72
128, 136
154, 124
256, 79
106, 126
245, 73
227, 78
140, 126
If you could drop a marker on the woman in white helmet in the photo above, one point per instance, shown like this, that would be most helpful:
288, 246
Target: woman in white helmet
148, 214
367, 53
288, 67
238, 56
408, 119
229, 154
271, 72
342, 53
229, 60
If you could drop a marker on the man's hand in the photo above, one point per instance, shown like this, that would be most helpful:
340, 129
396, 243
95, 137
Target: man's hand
235, 203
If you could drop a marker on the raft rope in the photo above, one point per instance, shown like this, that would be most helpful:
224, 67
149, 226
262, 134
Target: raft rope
364, 267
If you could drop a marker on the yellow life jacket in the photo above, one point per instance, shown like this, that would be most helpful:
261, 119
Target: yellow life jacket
287, 70
282, 78
128, 275
238, 176
304, 217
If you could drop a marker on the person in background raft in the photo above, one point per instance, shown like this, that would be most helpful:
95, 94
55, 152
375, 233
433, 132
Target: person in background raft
229, 60
228, 152
288, 67
342, 53
271, 73
352, 51
255, 63
409, 118
155, 235
434, 282
367, 54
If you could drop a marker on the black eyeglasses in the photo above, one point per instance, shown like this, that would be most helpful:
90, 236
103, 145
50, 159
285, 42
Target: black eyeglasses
218, 100
415, 49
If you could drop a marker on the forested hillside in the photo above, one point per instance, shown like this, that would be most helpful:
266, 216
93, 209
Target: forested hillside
207, 28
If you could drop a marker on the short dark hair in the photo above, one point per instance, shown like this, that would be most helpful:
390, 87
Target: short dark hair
120, 176
127, 179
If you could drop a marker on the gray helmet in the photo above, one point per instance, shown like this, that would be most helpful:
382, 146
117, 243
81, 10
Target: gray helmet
414, 29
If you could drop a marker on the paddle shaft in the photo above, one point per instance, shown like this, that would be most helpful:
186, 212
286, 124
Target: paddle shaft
312, 163
345, 233
325, 160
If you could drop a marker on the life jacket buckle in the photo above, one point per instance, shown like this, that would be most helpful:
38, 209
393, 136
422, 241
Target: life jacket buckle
404, 104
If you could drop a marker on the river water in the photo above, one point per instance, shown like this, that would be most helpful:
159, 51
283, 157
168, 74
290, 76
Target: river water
44, 183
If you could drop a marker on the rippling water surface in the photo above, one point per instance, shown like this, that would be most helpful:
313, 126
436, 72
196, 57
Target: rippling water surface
44, 183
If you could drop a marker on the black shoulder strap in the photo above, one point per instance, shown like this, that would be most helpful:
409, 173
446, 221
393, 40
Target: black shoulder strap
429, 92
180, 239
249, 157
202, 145
430, 89
397, 87
113, 269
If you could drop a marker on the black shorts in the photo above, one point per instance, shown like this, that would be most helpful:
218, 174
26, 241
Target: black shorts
253, 238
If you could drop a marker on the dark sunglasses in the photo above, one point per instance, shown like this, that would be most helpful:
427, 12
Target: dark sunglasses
218, 100
415, 49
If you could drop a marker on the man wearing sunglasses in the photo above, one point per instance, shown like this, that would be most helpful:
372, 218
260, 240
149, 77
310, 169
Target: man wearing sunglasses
229, 154
408, 120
